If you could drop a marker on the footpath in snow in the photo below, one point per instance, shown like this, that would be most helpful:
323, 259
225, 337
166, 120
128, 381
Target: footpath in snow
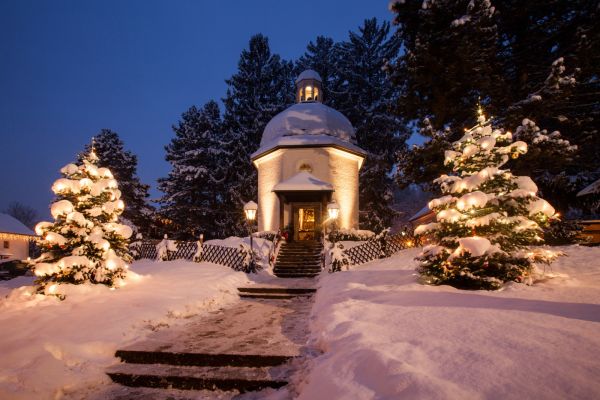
52, 349
385, 336
257, 339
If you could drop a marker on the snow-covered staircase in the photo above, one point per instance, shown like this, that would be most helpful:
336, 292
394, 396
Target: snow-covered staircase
274, 292
300, 259
247, 347
197, 371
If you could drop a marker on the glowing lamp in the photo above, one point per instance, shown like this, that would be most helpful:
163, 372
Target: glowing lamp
86, 183
333, 210
110, 264
250, 209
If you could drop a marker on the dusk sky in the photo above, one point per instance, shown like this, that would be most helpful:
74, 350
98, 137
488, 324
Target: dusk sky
71, 68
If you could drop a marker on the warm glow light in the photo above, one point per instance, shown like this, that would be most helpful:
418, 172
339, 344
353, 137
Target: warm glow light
14, 236
85, 183
250, 209
333, 210
344, 178
110, 264
308, 93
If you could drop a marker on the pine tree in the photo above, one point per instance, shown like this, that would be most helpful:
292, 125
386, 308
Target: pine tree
450, 59
111, 154
363, 93
321, 56
85, 244
194, 189
487, 217
262, 87
538, 61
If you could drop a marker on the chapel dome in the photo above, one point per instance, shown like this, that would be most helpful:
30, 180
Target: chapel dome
308, 74
308, 118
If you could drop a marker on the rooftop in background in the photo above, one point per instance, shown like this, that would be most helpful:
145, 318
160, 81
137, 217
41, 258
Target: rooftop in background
9, 224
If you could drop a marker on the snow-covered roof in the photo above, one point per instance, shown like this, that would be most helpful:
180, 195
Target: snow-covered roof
307, 141
309, 74
593, 188
309, 118
9, 224
303, 180
305, 121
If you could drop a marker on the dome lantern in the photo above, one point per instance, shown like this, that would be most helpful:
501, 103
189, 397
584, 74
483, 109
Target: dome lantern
309, 87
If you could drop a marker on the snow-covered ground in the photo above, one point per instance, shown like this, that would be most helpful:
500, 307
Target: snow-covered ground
385, 336
50, 348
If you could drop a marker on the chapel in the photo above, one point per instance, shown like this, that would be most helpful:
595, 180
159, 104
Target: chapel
308, 159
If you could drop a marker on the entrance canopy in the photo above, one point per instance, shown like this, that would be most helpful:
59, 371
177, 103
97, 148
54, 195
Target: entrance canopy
303, 181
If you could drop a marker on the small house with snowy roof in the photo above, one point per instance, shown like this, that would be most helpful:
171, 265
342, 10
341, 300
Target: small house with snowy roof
308, 157
14, 239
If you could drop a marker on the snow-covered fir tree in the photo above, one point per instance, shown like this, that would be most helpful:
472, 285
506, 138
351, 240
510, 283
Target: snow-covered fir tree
487, 218
537, 60
363, 93
195, 188
262, 87
109, 148
85, 243
321, 56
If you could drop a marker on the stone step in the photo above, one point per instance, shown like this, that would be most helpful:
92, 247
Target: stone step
311, 272
271, 296
296, 275
293, 251
298, 255
242, 379
293, 263
290, 248
283, 290
297, 267
200, 359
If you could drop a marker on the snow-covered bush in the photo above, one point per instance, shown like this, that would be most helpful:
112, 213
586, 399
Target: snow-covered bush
562, 232
164, 247
337, 257
487, 217
268, 235
350, 235
86, 243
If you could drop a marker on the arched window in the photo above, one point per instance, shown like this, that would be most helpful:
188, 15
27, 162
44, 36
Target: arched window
316, 96
305, 167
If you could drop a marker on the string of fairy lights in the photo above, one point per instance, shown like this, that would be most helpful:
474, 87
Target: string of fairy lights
16, 236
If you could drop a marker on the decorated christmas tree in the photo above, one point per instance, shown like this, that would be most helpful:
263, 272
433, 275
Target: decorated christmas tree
487, 218
86, 243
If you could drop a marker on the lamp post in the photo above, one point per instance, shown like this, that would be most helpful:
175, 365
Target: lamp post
250, 209
333, 210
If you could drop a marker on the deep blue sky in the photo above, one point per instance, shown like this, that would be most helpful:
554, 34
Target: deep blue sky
71, 68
